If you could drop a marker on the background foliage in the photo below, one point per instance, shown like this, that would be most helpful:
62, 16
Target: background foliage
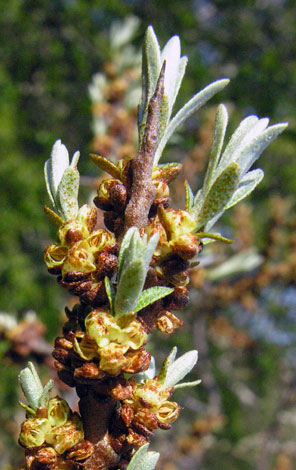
244, 328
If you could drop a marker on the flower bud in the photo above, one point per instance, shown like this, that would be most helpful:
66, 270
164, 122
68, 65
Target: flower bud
79, 258
64, 437
81, 451
112, 359
112, 195
166, 173
87, 215
186, 245
100, 240
167, 322
58, 411
46, 456
176, 222
33, 432
54, 256
72, 232
168, 412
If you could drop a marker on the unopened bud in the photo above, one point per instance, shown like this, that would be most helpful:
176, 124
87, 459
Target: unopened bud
81, 451
62, 438
58, 411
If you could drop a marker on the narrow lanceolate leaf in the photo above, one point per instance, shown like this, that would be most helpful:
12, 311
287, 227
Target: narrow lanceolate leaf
47, 176
219, 194
43, 400
189, 197
181, 72
59, 161
67, 194
166, 364
129, 287
110, 293
31, 385
180, 368
151, 64
151, 295
236, 139
106, 165
252, 151
219, 133
163, 116
213, 236
124, 249
149, 250
247, 184
55, 218
171, 54
193, 105
143, 460
187, 384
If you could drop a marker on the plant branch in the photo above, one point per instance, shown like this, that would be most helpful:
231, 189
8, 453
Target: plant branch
143, 190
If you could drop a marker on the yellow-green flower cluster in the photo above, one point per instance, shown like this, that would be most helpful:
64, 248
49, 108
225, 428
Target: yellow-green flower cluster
79, 244
151, 397
115, 341
176, 234
55, 426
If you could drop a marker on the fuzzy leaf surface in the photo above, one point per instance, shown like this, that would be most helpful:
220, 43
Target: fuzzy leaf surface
193, 105
151, 295
180, 368
143, 460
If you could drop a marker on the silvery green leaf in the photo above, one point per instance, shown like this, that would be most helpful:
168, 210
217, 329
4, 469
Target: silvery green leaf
187, 384
31, 385
193, 105
47, 176
151, 64
242, 262
237, 149
247, 184
124, 248
146, 374
171, 54
129, 287
219, 195
43, 400
181, 72
254, 149
166, 364
67, 193
163, 116
143, 460
180, 368
189, 197
149, 250
236, 139
219, 133
59, 161
121, 32
151, 295
110, 293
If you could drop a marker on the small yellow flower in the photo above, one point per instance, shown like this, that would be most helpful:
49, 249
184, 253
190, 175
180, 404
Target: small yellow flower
33, 432
58, 411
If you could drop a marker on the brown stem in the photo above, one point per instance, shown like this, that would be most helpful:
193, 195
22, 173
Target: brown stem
96, 412
143, 190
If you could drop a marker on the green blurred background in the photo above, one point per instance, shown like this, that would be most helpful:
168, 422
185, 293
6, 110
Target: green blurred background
245, 410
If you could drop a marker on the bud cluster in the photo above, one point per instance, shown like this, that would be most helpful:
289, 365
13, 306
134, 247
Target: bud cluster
53, 437
83, 257
145, 408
